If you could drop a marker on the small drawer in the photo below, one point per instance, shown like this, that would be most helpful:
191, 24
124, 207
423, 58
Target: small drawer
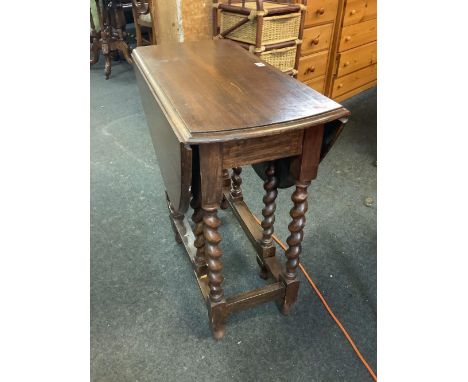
357, 11
316, 39
354, 80
312, 66
357, 58
320, 11
317, 84
355, 91
358, 34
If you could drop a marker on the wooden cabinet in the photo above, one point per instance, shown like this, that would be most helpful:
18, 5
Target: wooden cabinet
355, 59
319, 29
339, 48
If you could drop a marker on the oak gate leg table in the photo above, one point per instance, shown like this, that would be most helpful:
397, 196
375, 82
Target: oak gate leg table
211, 106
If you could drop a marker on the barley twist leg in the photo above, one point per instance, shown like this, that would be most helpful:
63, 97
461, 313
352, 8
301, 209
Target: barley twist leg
299, 198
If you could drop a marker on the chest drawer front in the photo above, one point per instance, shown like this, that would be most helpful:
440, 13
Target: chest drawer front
357, 11
358, 34
320, 11
316, 39
312, 66
357, 58
317, 84
354, 80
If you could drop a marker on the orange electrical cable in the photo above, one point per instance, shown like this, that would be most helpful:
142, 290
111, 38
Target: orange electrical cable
327, 307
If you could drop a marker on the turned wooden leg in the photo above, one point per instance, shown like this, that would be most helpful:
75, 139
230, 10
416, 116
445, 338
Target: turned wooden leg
106, 52
268, 212
236, 181
304, 169
95, 50
197, 218
122, 47
211, 196
107, 65
213, 253
299, 198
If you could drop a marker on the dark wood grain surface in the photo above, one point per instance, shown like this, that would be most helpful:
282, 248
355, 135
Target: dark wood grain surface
214, 90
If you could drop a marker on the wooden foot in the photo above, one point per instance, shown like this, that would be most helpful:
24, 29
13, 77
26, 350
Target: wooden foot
236, 181
292, 290
217, 315
107, 65
299, 198
263, 273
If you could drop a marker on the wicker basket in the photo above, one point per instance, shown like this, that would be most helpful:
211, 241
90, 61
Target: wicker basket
282, 59
275, 28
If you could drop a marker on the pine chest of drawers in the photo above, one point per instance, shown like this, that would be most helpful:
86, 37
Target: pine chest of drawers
355, 60
339, 48
319, 25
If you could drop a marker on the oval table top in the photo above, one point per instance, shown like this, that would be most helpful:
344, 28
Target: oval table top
215, 90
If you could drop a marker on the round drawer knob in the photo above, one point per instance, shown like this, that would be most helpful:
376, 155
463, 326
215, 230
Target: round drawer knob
346, 64
353, 12
347, 38
315, 41
321, 11
340, 86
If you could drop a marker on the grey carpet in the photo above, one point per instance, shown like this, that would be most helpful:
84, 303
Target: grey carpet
148, 321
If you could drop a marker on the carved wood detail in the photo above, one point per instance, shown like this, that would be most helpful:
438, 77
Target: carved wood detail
213, 253
236, 182
299, 198
268, 212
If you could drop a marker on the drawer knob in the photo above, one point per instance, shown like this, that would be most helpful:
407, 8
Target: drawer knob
346, 63
315, 41
310, 70
321, 11
347, 38
340, 86
353, 12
